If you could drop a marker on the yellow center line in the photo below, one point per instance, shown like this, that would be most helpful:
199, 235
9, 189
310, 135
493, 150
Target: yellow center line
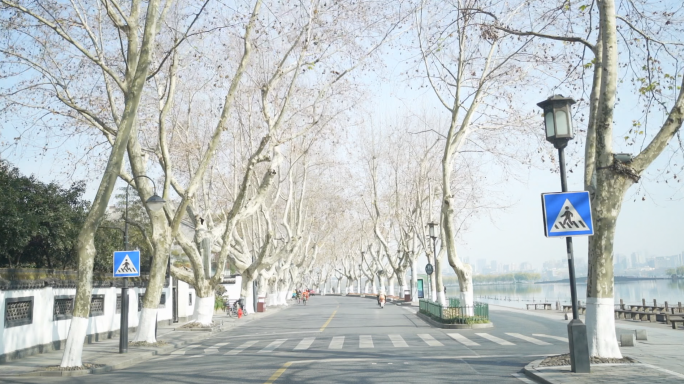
329, 320
277, 373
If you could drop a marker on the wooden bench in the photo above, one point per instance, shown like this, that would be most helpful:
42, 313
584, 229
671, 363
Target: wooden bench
545, 306
628, 314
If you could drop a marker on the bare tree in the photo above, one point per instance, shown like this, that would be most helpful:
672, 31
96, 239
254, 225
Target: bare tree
625, 41
469, 67
108, 48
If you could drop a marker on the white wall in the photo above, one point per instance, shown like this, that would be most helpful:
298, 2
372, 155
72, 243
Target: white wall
233, 290
44, 329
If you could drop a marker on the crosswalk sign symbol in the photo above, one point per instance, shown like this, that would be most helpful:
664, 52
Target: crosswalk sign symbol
126, 263
567, 214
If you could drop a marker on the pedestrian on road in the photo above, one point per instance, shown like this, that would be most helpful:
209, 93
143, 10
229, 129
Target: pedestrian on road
305, 296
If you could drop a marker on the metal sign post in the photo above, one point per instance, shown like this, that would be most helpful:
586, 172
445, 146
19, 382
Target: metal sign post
429, 269
126, 264
566, 215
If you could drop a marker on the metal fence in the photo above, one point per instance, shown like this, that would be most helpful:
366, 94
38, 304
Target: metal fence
455, 313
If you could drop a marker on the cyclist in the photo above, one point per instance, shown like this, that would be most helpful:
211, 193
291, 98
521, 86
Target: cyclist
305, 296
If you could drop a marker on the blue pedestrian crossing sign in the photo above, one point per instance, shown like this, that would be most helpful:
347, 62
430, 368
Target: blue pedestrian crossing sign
126, 263
567, 214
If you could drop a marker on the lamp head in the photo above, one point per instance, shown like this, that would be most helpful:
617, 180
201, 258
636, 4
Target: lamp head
558, 119
155, 203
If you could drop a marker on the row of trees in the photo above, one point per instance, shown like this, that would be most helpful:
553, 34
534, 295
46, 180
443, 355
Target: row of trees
239, 114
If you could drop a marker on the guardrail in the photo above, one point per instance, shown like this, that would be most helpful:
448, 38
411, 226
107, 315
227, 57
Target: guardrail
456, 314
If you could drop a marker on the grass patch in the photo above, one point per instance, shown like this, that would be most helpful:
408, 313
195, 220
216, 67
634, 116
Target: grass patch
457, 320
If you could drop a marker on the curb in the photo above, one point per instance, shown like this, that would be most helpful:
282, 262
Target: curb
437, 324
530, 371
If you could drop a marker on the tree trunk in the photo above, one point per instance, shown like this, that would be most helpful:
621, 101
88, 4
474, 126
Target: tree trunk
414, 280
600, 317
439, 285
246, 292
85, 244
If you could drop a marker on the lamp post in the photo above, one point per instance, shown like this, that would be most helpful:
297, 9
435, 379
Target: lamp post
154, 203
359, 282
559, 131
433, 236
363, 254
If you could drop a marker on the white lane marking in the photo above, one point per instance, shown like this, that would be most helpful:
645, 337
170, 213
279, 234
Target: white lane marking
676, 374
242, 347
305, 343
565, 339
271, 347
214, 348
429, 340
337, 342
462, 339
527, 338
365, 341
522, 378
494, 339
183, 350
398, 341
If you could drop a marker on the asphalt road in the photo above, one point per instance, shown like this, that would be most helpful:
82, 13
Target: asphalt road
350, 340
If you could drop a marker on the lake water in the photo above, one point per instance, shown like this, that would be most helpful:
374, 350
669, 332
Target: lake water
631, 292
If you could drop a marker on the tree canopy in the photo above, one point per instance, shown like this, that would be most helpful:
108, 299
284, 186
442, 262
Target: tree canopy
38, 222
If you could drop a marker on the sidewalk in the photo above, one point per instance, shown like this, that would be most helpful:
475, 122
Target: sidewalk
659, 357
106, 356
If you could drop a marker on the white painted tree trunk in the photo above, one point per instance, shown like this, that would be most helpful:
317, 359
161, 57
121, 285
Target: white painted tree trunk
374, 288
391, 286
600, 321
441, 297
467, 301
204, 309
248, 297
146, 325
74, 343
339, 286
414, 280
433, 288
358, 285
366, 287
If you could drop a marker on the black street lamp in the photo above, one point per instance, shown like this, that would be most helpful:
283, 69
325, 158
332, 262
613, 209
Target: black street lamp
154, 203
433, 236
559, 131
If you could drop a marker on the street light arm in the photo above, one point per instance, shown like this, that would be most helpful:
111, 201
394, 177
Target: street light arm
154, 186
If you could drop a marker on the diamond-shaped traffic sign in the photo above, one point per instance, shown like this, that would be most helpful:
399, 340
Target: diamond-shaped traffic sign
567, 214
126, 263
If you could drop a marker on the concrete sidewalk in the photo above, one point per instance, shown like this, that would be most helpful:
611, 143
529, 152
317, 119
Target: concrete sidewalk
105, 354
659, 357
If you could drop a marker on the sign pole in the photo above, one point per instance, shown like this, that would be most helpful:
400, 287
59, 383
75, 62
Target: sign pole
123, 328
577, 330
